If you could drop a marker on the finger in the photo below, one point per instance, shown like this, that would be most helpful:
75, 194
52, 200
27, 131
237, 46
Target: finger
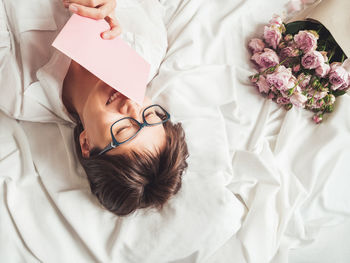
66, 4
115, 28
91, 12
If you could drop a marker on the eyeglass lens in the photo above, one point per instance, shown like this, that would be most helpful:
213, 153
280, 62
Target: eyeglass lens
127, 128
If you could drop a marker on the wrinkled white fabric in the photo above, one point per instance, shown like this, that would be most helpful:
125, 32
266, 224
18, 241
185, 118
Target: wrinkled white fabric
290, 174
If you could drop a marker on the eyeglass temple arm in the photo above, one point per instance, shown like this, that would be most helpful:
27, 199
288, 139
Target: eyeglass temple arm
107, 148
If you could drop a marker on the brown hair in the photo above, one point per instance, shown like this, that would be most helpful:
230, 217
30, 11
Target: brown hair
124, 183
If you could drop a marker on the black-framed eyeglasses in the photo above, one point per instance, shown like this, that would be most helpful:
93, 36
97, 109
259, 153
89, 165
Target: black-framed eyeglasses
127, 128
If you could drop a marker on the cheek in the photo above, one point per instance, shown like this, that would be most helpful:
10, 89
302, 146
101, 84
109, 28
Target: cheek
97, 124
146, 102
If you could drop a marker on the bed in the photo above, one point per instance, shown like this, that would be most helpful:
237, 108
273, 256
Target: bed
263, 184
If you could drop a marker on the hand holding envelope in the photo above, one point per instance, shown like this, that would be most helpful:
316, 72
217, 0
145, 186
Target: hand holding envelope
97, 9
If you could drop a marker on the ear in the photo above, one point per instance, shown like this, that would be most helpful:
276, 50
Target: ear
84, 144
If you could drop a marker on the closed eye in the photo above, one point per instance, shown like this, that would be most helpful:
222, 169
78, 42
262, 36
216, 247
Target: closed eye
148, 114
123, 128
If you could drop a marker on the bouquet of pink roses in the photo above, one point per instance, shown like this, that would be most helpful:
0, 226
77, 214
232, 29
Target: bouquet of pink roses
301, 65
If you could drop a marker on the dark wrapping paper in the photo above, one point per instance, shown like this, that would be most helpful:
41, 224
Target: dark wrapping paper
334, 15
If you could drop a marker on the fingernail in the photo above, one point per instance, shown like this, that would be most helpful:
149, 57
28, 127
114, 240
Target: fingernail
106, 35
73, 8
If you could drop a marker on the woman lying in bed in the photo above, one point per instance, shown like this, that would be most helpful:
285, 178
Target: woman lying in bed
133, 155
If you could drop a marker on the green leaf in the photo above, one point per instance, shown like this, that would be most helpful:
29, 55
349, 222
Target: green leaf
338, 93
294, 27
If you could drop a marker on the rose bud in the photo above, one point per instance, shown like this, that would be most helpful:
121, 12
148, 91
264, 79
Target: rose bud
320, 103
315, 83
282, 45
288, 38
330, 108
329, 99
296, 68
317, 118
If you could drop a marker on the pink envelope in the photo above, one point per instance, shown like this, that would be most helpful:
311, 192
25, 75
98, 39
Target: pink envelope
112, 61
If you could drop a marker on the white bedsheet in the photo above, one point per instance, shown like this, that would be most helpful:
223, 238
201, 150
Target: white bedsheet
291, 175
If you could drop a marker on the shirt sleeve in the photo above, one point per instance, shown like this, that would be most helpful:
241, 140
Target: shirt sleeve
31, 70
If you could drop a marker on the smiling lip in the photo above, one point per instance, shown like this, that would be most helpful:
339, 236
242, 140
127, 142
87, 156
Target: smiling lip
113, 96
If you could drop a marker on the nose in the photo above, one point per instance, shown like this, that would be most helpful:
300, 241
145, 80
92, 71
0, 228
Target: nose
131, 109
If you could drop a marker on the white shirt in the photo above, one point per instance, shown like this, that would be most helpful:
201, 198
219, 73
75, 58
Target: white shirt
32, 71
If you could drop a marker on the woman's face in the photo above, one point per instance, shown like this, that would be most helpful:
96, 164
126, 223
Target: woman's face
99, 112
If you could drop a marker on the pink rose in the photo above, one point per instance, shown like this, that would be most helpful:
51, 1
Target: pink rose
265, 59
256, 45
280, 79
262, 85
306, 41
338, 77
283, 100
323, 70
312, 60
298, 99
296, 68
272, 36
